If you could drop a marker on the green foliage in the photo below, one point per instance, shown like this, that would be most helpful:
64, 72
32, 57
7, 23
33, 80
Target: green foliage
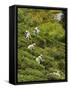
50, 42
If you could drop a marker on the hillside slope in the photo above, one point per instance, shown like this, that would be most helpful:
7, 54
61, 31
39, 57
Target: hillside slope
50, 43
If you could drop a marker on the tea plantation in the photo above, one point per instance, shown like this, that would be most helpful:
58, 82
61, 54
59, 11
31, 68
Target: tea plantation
50, 43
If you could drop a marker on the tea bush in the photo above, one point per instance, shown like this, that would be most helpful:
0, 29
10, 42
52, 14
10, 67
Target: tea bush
50, 42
